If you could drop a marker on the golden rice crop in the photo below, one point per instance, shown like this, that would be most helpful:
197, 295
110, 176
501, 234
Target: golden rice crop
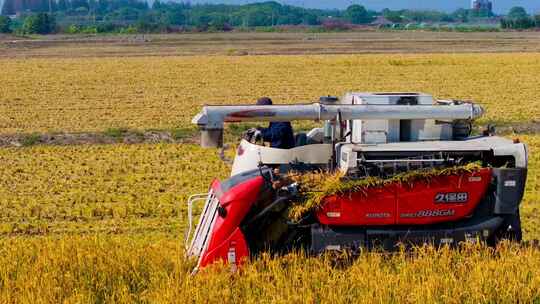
132, 251
86, 94
101, 188
108, 230
530, 206
113, 269
103, 223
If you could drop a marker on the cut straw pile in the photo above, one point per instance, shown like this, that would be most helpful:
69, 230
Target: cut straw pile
315, 187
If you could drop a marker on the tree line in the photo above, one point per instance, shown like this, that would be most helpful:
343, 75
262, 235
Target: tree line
518, 18
136, 16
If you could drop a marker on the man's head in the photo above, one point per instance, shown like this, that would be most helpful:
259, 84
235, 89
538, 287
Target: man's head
264, 101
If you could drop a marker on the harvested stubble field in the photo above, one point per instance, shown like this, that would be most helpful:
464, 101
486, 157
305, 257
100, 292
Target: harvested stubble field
250, 43
104, 223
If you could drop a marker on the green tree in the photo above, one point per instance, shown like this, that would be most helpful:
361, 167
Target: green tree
357, 14
461, 15
258, 17
517, 12
5, 24
521, 23
290, 19
423, 16
537, 20
176, 17
393, 16
311, 19
62, 5
202, 21
41, 23
480, 13
524, 23
157, 5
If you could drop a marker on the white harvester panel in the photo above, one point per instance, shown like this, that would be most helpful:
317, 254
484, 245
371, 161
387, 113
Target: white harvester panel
249, 156
395, 130
349, 154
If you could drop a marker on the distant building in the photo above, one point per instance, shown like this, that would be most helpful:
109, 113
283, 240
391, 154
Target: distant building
482, 5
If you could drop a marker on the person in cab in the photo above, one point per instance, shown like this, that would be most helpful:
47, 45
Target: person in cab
279, 134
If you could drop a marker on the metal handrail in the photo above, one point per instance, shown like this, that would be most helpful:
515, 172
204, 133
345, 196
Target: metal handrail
192, 199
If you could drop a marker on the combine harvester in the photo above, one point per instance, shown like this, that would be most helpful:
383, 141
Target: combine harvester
364, 135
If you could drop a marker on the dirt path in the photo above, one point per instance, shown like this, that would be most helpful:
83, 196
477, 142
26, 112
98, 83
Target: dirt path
126, 137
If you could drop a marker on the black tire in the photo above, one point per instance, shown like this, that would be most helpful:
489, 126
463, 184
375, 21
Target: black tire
509, 230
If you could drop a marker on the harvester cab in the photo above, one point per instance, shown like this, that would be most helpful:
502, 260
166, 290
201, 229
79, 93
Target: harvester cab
473, 193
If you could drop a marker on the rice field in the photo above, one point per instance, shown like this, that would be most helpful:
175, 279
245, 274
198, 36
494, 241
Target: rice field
113, 269
101, 188
86, 94
104, 223
136, 189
